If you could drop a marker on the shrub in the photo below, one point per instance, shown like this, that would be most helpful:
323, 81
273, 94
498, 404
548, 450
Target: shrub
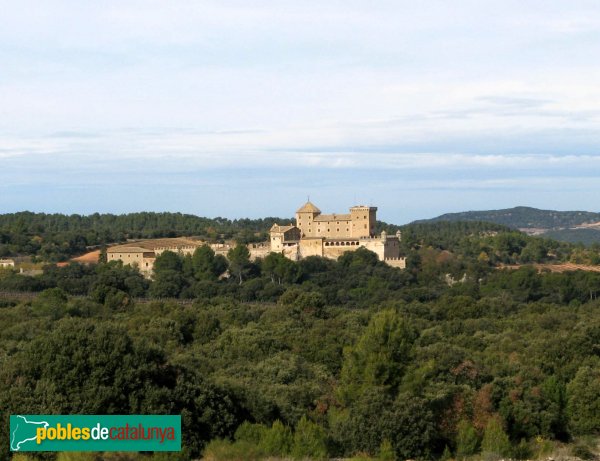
495, 441
309, 440
277, 440
467, 440
583, 405
252, 433
386, 451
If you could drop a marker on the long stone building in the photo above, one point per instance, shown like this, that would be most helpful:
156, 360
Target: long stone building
330, 235
144, 252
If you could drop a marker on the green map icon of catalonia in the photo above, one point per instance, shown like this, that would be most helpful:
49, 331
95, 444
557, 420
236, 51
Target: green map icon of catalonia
24, 431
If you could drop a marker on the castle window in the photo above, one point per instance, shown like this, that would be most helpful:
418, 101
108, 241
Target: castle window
338, 229
365, 226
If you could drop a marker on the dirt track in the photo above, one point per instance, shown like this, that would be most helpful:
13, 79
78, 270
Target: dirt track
89, 258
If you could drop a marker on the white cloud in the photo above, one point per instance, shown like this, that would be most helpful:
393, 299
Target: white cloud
476, 87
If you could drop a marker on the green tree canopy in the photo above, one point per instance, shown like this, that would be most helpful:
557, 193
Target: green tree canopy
239, 261
583, 405
379, 358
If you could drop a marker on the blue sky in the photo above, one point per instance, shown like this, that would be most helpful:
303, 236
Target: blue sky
244, 108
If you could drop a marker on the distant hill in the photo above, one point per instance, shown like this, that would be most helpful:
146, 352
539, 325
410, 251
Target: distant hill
568, 226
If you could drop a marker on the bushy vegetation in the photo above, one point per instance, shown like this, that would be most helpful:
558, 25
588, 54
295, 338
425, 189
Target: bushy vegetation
317, 359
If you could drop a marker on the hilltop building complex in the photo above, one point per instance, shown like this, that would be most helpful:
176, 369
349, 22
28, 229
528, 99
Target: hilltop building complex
314, 234
330, 235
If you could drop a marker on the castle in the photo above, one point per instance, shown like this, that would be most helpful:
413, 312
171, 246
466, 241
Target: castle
315, 234
330, 235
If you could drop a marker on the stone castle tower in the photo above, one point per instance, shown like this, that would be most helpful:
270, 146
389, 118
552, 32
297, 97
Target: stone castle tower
359, 223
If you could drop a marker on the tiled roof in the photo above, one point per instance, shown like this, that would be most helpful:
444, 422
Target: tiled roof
127, 249
153, 244
278, 228
308, 207
333, 217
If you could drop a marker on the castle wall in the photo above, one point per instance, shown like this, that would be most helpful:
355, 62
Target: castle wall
311, 247
143, 260
186, 250
386, 248
376, 246
392, 248
147, 266
332, 227
333, 249
220, 248
400, 263
292, 252
129, 257
258, 250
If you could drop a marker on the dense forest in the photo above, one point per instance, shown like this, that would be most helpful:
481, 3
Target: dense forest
315, 359
58, 237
